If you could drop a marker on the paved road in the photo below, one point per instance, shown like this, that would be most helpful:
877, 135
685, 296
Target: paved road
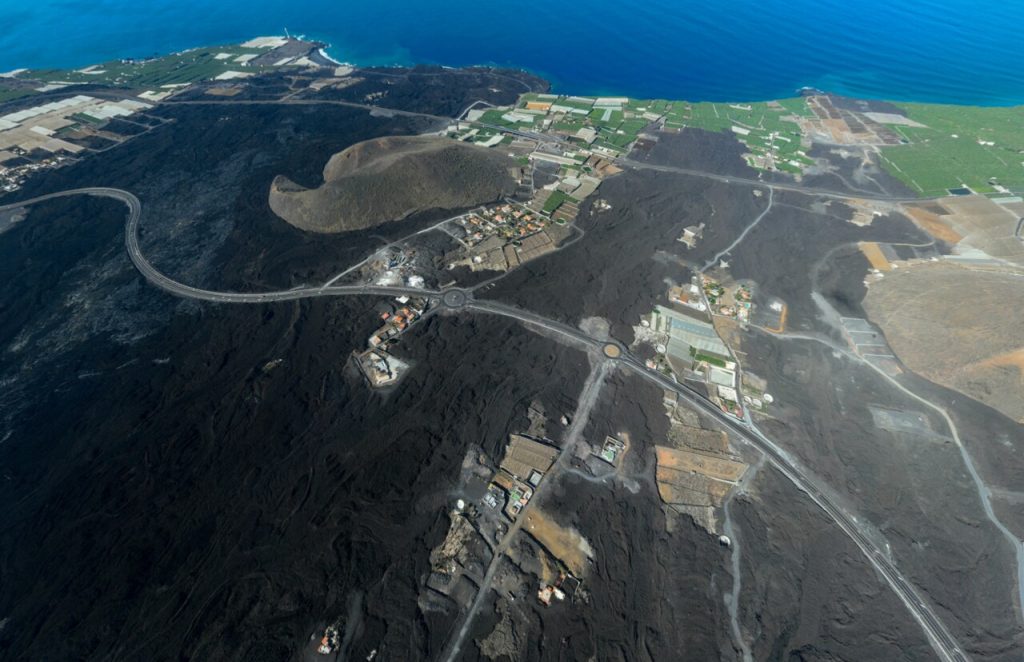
941, 639
543, 137
306, 102
540, 137
729, 179
584, 405
455, 299
530, 135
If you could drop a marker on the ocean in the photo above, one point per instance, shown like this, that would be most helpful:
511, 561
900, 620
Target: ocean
942, 51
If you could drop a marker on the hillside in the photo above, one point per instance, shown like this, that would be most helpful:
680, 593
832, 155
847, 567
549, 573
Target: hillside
388, 179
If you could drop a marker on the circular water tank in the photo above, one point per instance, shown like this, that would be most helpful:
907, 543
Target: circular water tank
460, 504
768, 398
660, 349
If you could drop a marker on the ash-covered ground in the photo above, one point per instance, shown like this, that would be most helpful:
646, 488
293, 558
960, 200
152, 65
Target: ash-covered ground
197, 481
192, 481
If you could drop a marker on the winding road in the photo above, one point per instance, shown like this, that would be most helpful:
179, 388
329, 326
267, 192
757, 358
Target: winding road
454, 299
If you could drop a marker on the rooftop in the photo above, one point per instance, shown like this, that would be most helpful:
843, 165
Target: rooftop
524, 455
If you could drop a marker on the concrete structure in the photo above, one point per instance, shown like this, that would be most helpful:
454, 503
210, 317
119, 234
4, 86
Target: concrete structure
722, 377
586, 188
691, 234
587, 134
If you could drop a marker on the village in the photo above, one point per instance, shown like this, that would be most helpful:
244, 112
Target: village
500, 238
503, 237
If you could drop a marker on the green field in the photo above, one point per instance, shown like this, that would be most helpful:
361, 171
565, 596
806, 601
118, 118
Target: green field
707, 358
8, 94
768, 133
556, 199
82, 118
616, 132
935, 160
187, 67
494, 117
761, 119
953, 150
796, 106
572, 103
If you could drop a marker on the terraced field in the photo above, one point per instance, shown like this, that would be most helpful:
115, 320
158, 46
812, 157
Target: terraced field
959, 146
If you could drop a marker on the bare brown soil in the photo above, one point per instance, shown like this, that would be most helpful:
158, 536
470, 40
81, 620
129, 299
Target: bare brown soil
875, 256
709, 465
956, 326
389, 179
931, 223
565, 543
1014, 358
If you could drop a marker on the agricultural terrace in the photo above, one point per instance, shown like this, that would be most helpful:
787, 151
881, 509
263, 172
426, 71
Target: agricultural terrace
176, 69
765, 128
9, 93
982, 148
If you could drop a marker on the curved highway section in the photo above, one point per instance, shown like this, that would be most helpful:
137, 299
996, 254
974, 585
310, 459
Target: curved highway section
453, 298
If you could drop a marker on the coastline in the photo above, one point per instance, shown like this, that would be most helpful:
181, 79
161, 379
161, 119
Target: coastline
745, 51
558, 84
326, 56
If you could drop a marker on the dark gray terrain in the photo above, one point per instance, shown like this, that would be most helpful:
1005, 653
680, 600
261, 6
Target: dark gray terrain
187, 480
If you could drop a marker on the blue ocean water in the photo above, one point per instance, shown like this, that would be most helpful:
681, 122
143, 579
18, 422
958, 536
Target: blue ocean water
947, 51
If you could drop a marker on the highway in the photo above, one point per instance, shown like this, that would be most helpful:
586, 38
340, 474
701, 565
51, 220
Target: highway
307, 102
453, 299
779, 186
938, 635
547, 138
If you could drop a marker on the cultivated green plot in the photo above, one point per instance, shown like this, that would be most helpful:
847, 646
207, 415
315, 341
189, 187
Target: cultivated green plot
765, 128
8, 94
768, 129
796, 106
578, 104
175, 69
82, 118
569, 124
962, 145
496, 117
556, 199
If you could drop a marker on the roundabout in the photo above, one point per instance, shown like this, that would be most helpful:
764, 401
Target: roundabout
455, 298
612, 350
